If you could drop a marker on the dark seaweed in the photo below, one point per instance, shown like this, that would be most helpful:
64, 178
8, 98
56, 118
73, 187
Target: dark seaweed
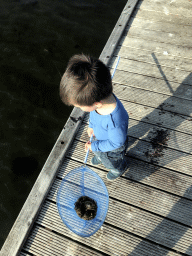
86, 208
159, 142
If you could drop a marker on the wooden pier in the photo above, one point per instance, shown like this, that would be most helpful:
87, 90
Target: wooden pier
150, 206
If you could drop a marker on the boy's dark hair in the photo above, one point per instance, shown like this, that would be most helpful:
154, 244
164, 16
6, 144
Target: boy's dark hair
86, 80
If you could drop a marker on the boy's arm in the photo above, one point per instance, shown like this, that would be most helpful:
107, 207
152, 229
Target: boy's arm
116, 138
90, 124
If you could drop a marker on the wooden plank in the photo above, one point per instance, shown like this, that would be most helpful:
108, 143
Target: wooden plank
138, 222
179, 4
156, 116
146, 173
139, 195
148, 220
172, 159
162, 17
108, 240
142, 196
160, 178
146, 225
163, 48
148, 24
163, 59
41, 187
147, 132
117, 31
163, 156
181, 8
154, 70
175, 140
153, 99
153, 84
159, 117
46, 243
160, 36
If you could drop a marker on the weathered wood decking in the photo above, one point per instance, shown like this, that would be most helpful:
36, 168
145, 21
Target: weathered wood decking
150, 207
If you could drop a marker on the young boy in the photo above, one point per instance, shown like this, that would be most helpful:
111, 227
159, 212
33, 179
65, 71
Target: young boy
87, 84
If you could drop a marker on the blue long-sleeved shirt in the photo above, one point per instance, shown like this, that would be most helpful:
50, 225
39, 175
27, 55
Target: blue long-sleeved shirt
109, 130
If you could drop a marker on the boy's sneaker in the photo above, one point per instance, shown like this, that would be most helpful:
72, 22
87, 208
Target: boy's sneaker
95, 161
114, 174
111, 176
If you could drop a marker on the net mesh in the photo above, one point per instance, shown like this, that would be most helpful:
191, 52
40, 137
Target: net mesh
79, 182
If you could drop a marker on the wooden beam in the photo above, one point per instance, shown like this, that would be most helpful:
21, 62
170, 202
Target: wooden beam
118, 31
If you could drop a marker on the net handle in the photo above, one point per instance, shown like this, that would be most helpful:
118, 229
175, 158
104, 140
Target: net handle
85, 160
88, 150
115, 67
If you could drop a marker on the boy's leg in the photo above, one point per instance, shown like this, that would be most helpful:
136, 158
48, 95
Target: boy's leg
120, 164
102, 157
95, 160
114, 160
115, 173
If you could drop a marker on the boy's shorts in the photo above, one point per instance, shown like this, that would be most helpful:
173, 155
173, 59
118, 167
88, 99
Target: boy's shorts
114, 159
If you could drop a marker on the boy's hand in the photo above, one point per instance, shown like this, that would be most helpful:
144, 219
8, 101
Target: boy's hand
90, 131
88, 145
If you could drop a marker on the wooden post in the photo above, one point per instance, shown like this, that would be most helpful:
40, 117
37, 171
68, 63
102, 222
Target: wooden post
117, 32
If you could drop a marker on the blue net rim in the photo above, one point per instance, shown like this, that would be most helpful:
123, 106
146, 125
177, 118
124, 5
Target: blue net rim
87, 169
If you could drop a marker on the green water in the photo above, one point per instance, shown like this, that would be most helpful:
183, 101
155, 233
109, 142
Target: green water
36, 42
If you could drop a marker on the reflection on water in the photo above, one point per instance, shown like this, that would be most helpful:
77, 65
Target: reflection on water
37, 40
